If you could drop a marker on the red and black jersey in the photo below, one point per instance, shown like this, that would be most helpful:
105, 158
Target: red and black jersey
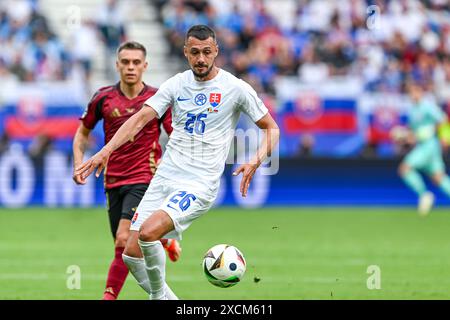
135, 161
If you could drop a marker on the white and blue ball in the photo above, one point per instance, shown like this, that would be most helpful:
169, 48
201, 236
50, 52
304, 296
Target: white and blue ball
224, 265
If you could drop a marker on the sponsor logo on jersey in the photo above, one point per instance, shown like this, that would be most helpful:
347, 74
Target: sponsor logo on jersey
200, 99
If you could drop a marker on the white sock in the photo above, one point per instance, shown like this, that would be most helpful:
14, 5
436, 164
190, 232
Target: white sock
155, 265
170, 294
137, 269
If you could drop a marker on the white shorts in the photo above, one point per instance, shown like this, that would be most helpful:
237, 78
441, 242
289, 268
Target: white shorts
183, 201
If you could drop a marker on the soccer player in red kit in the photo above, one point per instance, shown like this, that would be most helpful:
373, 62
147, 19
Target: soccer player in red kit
131, 167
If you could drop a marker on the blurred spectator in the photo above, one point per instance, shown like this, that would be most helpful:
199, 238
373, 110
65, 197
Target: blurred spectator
198, 6
369, 151
4, 142
19, 11
262, 68
6, 77
391, 78
83, 47
312, 70
30, 51
442, 79
40, 146
44, 58
306, 146
111, 24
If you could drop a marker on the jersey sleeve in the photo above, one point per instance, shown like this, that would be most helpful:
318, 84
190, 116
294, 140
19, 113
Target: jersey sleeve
93, 112
163, 98
250, 103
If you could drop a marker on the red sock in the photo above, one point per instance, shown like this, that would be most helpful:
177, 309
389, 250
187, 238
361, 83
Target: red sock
117, 274
164, 241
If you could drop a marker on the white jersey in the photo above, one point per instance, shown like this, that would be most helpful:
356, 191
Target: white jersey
204, 116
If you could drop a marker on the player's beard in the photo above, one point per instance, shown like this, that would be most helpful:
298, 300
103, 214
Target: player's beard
204, 74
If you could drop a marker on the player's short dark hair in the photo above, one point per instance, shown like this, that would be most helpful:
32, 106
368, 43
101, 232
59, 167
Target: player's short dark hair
201, 32
132, 45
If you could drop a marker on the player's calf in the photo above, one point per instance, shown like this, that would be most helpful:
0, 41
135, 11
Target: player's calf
118, 271
122, 233
117, 275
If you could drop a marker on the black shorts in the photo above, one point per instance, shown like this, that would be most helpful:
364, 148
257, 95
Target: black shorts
122, 203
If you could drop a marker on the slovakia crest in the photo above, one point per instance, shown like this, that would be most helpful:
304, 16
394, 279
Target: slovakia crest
214, 101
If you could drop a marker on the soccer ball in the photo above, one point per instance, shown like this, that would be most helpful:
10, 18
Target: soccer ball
224, 265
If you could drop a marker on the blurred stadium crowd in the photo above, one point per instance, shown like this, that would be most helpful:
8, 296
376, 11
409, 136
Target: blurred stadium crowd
408, 40
31, 51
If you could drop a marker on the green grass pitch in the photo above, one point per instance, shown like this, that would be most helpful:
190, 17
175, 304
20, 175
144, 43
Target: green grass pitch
296, 253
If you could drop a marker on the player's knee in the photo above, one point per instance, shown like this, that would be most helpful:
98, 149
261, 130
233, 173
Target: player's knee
148, 234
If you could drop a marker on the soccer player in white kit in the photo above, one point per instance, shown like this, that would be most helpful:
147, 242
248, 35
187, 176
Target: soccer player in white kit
206, 104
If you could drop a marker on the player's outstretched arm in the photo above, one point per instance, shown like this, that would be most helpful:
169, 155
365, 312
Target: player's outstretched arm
270, 140
126, 132
80, 141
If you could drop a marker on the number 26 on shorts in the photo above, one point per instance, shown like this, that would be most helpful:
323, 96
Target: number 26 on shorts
183, 199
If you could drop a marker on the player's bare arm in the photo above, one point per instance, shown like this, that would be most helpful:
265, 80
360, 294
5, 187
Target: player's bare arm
271, 137
80, 142
126, 132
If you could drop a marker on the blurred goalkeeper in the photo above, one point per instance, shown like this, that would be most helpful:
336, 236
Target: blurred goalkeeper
426, 121
130, 168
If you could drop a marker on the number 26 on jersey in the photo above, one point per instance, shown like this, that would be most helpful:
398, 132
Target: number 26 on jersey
195, 123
